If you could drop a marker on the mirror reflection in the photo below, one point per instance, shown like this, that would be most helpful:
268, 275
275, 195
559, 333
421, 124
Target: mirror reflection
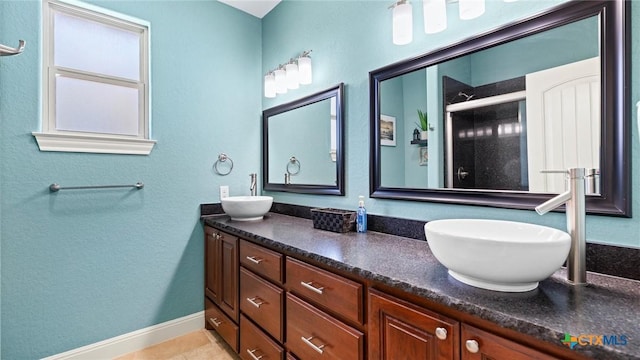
303, 145
506, 110
499, 116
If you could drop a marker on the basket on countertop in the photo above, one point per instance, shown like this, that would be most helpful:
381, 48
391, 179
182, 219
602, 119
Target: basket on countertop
335, 220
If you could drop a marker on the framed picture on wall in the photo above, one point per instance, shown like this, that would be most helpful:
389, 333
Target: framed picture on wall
424, 156
387, 130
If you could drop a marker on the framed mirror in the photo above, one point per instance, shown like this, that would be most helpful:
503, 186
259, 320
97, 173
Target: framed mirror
546, 93
303, 144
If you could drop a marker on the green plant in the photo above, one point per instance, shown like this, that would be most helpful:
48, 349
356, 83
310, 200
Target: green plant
424, 123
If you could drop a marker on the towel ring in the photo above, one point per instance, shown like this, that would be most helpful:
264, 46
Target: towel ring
221, 159
296, 163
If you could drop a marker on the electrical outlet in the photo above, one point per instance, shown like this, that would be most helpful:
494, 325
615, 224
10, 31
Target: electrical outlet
224, 191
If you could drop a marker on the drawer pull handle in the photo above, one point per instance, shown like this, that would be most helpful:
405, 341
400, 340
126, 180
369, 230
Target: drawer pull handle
254, 260
308, 285
255, 303
253, 356
215, 322
307, 341
472, 346
441, 333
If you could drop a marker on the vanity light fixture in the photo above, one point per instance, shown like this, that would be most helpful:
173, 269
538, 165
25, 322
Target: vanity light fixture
281, 80
402, 22
288, 76
470, 9
270, 85
435, 15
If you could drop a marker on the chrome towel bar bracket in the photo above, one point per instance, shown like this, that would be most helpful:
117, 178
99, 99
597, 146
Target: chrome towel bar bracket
56, 187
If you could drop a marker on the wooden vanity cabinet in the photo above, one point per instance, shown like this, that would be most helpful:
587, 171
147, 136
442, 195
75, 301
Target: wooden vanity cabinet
402, 330
221, 283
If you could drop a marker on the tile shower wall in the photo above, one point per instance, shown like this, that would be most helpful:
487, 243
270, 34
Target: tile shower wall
79, 267
333, 28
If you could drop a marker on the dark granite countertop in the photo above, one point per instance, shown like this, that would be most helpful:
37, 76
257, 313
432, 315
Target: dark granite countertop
607, 305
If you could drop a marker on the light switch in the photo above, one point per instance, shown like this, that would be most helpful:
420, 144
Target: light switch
224, 191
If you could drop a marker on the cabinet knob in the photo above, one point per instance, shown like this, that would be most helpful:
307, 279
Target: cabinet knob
317, 348
215, 322
317, 290
252, 354
255, 301
472, 346
441, 333
254, 260
218, 236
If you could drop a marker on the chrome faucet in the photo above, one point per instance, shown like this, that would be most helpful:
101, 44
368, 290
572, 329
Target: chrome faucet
574, 198
254, 184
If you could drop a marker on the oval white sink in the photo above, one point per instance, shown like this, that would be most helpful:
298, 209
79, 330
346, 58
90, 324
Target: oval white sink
246, 208
497, 255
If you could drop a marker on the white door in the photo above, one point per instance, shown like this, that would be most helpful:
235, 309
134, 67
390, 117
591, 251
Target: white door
563, 122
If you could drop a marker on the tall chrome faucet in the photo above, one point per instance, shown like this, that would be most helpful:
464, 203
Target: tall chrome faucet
574, 198
254, 184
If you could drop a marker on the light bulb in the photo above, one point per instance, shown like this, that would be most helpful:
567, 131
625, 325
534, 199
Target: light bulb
304, 70
402, 23
291, 70
435, 15
471, 9
281, 81
270, 85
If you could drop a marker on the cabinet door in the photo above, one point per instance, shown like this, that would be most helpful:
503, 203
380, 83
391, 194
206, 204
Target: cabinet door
480, 345
401, 330
229, 275
213, 270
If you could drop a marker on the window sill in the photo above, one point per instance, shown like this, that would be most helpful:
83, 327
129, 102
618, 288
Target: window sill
93, 144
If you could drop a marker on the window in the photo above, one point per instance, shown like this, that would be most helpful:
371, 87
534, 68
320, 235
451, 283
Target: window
95, 81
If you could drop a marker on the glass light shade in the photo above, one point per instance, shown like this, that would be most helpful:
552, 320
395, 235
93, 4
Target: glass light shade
471, 9
281, 81
270, 85
435, 15
402, 24
304, 70
291, 71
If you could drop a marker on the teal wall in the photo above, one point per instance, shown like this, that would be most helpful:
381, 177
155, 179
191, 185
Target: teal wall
351, 38
79, 267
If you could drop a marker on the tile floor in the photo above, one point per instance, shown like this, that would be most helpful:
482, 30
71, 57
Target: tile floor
198, 345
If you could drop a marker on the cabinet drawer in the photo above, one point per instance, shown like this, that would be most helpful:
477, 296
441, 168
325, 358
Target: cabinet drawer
216, 320
262, 261
323, 288
313, 334
479, 344
399, 329
262, 302
254, 344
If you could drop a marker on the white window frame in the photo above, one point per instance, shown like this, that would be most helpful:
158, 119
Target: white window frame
52, 139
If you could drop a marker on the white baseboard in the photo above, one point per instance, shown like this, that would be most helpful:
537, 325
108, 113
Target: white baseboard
136, 340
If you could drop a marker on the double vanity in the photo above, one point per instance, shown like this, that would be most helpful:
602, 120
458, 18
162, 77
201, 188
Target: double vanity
288, 290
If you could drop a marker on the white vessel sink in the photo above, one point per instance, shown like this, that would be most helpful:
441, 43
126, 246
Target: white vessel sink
497, 255
246, 208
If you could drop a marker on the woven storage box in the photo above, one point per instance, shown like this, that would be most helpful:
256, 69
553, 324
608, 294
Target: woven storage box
335, 220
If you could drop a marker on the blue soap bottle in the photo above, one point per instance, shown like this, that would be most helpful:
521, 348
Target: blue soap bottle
361, 218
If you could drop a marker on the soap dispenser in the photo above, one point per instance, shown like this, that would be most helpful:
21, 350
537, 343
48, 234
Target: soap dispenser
361, 217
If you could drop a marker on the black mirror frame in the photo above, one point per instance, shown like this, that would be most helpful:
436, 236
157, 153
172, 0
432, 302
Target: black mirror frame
339, 188
615, 197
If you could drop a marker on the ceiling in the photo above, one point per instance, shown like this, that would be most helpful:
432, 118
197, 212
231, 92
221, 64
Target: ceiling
257, 8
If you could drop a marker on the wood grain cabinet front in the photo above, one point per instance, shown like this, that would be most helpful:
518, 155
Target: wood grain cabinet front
262, 302
332, 292
313, 334
481, 345
264, 262
402, 330
217, 320
256, 345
